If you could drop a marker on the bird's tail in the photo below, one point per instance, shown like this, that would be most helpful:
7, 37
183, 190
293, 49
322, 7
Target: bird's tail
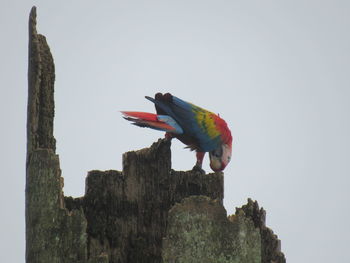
153, 121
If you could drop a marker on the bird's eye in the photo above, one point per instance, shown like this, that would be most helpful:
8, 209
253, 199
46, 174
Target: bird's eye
217, 152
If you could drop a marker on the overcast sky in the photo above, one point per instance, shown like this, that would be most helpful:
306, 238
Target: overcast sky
276, 71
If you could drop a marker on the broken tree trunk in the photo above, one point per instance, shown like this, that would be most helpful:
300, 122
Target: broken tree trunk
52, 232
146, 213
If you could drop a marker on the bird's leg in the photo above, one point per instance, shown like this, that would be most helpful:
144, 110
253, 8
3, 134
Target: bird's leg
198, 165
200, 156
168, 136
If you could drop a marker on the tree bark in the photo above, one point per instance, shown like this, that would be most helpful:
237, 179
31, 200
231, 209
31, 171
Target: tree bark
145, 213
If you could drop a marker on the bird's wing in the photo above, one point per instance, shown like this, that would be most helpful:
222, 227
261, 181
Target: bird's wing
204, 126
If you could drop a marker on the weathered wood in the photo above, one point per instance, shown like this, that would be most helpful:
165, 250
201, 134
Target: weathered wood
52, 234
208, 236
270, 244
127, 211
41, 78
124, 216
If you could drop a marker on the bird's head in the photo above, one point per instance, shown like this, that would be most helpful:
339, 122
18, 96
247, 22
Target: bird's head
220, 157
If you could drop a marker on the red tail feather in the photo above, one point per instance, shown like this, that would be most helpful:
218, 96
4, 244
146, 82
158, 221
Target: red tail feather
145, 119
141, 115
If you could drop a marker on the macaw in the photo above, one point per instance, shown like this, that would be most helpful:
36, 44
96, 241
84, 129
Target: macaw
201, 130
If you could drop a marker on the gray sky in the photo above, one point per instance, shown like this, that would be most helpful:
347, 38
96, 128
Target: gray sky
276, 71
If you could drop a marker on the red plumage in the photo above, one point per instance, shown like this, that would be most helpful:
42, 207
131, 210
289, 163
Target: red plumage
145, 119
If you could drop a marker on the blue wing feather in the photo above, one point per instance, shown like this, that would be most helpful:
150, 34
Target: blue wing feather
184, 113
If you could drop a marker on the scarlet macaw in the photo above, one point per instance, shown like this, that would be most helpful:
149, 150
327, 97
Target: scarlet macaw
201, 130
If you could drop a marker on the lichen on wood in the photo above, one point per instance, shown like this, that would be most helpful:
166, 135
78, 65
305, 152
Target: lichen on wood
270, 244
206, 235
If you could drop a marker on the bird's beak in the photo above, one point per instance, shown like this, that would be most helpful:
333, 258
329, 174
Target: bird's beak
217, 165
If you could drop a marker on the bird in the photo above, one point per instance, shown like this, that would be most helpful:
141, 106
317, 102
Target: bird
201, 130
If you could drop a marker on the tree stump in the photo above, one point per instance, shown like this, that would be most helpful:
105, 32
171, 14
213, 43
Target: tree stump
145, 213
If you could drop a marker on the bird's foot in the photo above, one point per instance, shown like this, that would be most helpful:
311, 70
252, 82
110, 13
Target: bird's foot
198, 168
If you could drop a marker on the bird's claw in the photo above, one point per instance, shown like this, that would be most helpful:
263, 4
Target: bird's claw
197, 168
